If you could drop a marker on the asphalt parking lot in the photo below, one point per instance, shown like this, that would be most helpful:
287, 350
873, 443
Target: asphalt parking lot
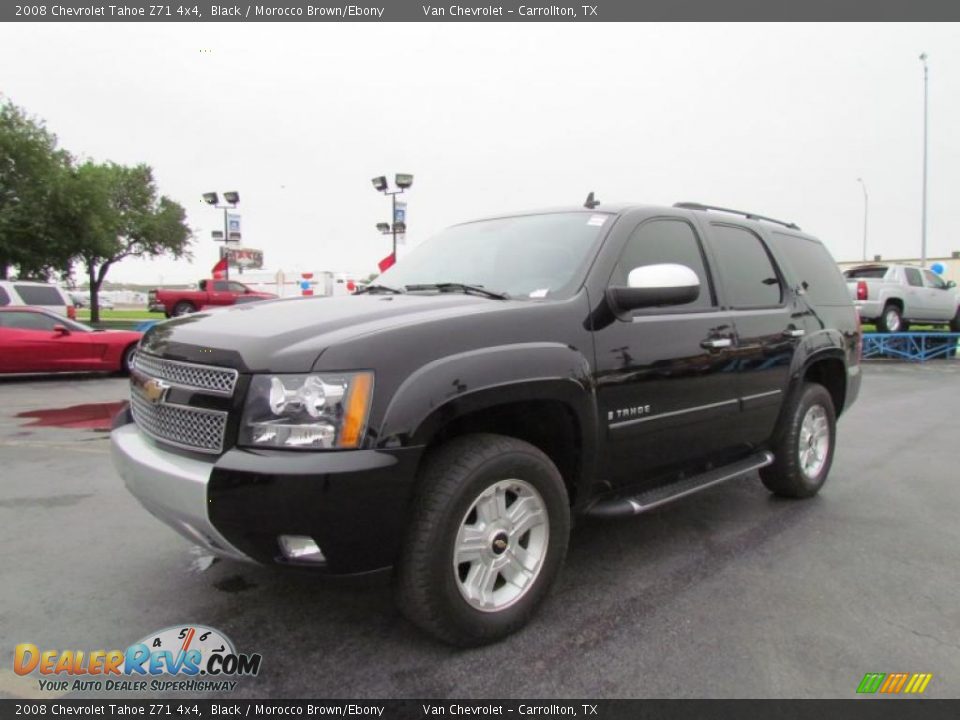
730, 593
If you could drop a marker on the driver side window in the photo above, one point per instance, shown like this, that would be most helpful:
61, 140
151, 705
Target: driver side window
29, 321
665, 241
934, 280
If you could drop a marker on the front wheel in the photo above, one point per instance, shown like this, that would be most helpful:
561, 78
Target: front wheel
487, 539
803, 448
126, 363
955, 322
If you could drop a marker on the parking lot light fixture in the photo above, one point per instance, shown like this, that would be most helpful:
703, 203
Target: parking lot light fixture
403, 182
231, 198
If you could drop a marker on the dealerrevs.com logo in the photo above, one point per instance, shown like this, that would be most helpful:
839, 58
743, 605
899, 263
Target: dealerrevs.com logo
190, 658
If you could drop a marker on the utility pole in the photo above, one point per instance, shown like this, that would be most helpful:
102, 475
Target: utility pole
865, 216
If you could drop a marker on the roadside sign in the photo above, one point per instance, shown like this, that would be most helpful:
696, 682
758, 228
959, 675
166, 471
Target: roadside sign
400, 216
233, 227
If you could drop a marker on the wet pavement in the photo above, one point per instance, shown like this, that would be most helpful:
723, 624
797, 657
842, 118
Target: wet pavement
729, 593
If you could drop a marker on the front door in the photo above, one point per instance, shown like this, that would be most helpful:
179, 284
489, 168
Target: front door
941, 301
666, 380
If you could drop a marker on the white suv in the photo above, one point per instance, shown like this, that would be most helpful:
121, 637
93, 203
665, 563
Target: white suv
37, 294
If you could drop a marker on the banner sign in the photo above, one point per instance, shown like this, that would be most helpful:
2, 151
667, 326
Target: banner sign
246, 258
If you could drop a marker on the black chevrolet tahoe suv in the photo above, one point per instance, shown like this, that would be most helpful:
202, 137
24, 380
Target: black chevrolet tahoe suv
451, 419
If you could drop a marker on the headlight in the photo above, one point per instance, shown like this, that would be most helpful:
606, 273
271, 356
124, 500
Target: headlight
307, 412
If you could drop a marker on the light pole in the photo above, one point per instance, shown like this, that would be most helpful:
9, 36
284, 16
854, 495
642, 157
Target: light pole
403, 181
865, 216
923, 211
232, 198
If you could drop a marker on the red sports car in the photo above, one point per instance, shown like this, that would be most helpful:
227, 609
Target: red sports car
34, 340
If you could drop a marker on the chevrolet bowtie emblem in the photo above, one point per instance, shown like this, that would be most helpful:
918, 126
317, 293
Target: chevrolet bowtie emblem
155, 390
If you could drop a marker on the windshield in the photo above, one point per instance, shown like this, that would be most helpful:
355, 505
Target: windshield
524, 256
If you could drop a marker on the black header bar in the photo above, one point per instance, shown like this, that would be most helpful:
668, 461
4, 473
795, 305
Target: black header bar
192, 11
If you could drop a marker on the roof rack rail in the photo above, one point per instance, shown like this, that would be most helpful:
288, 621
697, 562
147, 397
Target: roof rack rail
747, 215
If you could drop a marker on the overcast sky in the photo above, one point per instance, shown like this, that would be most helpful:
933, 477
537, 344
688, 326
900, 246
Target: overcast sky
489, 117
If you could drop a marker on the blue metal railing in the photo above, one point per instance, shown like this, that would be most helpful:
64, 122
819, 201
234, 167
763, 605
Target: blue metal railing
915, 347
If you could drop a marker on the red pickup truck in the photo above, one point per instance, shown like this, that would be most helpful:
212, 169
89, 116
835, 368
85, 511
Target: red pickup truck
212, 293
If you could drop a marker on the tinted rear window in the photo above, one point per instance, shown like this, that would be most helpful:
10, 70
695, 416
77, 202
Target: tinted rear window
810, 265
39, 295
4, 298
863, 273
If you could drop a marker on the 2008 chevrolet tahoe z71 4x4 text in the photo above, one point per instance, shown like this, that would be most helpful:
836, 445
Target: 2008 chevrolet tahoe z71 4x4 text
509, 374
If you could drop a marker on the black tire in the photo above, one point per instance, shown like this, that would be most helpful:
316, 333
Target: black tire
125, 361
184, 307
449, 485
955, 323
890, 320
787, 477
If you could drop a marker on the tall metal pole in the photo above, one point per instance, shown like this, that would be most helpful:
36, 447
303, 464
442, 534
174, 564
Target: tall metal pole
865, 216
393, 224
226, 245
923, 221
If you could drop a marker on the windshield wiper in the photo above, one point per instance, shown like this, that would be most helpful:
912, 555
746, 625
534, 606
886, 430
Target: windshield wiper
463, 287
379, 288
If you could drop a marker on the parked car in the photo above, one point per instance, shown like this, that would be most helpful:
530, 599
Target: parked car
212, 293
37, 294
82, 300
36, 340
508, 375
894, 296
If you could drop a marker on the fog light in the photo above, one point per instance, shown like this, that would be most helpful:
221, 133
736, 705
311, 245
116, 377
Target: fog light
301, 548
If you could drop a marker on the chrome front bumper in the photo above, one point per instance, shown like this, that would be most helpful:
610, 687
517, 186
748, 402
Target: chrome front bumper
171, 487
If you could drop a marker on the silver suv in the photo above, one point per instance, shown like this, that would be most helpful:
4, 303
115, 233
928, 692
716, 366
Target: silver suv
893, 296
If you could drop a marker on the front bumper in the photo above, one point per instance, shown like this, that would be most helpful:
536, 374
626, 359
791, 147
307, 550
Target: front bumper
354, 504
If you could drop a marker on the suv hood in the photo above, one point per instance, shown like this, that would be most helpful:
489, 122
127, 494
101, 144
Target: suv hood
288, 335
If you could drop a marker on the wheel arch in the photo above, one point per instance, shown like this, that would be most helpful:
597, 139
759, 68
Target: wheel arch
537, 392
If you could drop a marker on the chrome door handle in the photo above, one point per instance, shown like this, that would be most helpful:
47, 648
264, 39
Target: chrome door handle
794, 332
717, 343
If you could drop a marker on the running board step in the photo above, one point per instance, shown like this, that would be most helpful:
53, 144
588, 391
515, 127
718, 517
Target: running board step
658, 496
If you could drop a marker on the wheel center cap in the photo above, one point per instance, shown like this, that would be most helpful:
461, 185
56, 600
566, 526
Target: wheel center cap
500, 543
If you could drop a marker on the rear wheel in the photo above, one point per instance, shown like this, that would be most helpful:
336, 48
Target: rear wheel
184, 307
955, 323
803, 448
890, 320
487, 539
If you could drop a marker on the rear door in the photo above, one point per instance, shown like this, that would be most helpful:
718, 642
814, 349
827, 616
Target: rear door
768, 321
665, 389
916, 302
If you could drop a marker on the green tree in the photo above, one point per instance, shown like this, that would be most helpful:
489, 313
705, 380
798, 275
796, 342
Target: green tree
32, 192
115, 213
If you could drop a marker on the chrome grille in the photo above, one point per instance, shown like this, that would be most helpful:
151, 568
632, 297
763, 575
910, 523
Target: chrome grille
191, 428
209, 379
